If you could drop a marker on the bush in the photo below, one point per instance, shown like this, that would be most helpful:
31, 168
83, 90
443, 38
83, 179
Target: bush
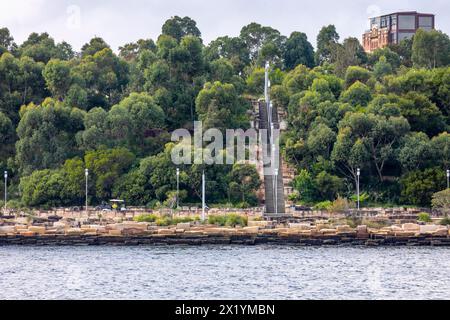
363, 198
340, 205
324, 205
441, 201
146, 218
445, 221
230, 220
424, 217
164, 220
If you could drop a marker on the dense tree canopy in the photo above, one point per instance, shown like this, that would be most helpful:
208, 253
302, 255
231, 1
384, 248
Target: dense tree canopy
386, 113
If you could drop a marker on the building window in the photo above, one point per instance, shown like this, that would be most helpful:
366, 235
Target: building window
405, 35
426, 23
407, 22
393, 37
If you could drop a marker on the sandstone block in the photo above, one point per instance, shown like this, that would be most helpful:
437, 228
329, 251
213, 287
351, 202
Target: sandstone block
328, 231
74, 231
115, 232
411, 227
430, 228
184, 225
261, 224
343, 228
166, 231
300, 226
7, 229
361, 229
39, 230
251, 229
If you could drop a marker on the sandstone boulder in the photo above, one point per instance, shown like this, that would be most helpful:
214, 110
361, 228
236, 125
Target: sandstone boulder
321, 226
343, 229
413, 227
60, 224
328, 231
251, 229
300, 226
115, 232
261, 224
35, 229
361, 229
7, 229
74, 231
184, 225
166, 231
430, 228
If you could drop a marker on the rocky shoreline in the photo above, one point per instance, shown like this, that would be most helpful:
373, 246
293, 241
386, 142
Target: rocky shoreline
22, 231
229, 237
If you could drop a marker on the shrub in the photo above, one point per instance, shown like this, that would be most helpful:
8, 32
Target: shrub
146, 218
363, 197
324, 205
445, 221
230, 220
441, 201
340, 205
424, 217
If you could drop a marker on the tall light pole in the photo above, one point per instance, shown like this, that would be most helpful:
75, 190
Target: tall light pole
358, 173
203, 195
274, 181
178, 186
6, 188
86, 174
448, 179
276, 190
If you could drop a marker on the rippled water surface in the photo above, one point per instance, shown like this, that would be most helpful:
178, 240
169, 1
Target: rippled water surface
224, 272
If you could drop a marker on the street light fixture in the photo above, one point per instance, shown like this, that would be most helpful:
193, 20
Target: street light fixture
86, 174
178, 186
448, 179
358, 173
6, 188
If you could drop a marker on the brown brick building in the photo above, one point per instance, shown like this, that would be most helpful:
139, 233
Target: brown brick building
394, 27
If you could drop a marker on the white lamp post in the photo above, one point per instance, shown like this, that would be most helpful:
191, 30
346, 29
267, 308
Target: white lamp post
276, 190
178, 186
203, 195
358, 173
6, 188
86, 174
448, 179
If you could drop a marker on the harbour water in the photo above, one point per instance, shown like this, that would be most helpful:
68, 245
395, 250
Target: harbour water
224, 272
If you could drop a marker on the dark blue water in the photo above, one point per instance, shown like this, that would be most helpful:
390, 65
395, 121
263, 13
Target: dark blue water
224, 272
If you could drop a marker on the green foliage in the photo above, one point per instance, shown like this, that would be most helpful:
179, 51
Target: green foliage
430, 49
358, 94
178, 27
445, 221
229, 220
424, 217
47, 135
146, 218
298, 51
419, 186
324, 205
441, 201
363, 198
326, 40
374, 112
355, 73
108, 166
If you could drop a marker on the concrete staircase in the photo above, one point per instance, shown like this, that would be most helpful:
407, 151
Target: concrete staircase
271, 200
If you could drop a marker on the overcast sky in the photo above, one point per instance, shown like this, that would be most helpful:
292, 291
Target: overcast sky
122, 21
